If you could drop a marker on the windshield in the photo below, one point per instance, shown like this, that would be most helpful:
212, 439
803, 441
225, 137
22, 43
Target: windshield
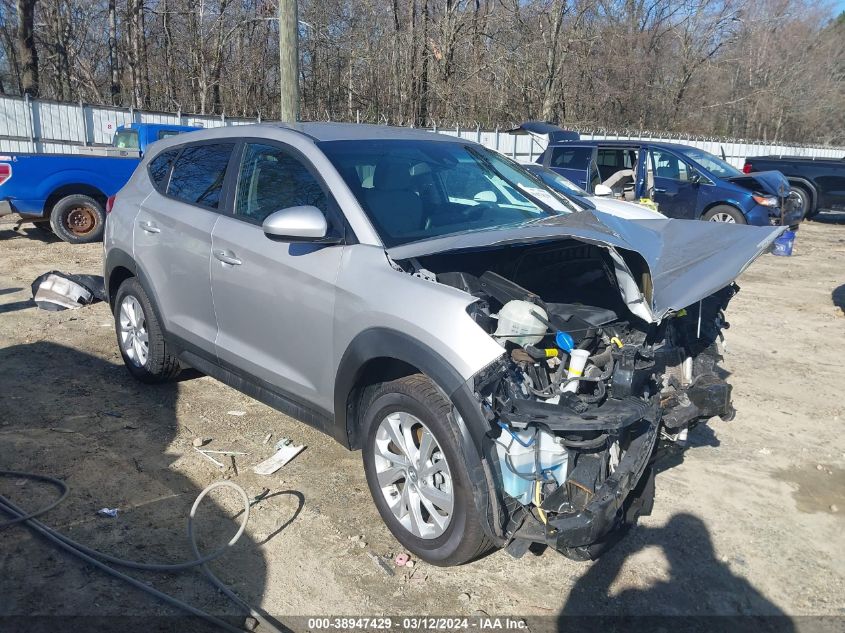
126, 139
414, 190
713, 164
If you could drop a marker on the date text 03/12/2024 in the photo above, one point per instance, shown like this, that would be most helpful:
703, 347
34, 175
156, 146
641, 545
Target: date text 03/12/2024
421, 623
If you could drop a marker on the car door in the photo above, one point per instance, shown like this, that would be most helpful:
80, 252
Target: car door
172, 237
673, 189
274, 299
576, 162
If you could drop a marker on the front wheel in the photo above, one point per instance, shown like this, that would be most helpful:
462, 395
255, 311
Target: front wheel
724, 213
416, 472
78, 219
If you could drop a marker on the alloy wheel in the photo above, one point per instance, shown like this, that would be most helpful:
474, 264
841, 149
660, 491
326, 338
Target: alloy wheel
134, 338
413, 475
723, 217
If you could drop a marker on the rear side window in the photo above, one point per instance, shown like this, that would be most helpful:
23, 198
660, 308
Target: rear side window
271, 180
198, 174
159, 169
167, 133
571, 157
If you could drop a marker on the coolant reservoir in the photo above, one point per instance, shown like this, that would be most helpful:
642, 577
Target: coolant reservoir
518, 465
518, 325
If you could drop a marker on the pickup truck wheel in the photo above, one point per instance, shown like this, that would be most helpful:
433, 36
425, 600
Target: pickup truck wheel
724, 213
806, 201
78, 219
416, 473
139, 336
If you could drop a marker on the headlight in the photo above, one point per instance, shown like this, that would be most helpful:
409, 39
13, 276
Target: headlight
766, 201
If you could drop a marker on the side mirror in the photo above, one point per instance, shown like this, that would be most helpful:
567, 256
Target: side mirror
304, 223
695, 178
602, 190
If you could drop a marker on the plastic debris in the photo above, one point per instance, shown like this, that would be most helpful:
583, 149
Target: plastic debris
267, 439
236, 413
56, 291
401, 560
201, 441
108, 512
285, 451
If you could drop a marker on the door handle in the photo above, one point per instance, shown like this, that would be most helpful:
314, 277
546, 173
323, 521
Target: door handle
149, 227
227, 258
656, 190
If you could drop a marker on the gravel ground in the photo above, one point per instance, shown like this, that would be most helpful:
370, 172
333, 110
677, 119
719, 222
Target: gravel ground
748, 521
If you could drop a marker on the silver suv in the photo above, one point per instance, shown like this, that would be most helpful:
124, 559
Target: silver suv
507, 363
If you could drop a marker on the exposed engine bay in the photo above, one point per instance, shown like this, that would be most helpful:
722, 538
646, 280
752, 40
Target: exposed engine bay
586, 390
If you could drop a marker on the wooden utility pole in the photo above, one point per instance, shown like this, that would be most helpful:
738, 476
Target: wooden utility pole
289, 60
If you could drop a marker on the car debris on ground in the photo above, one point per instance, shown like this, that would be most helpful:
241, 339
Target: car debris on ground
55, 291
286, 450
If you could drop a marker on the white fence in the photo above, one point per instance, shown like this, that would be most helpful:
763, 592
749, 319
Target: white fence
29, 125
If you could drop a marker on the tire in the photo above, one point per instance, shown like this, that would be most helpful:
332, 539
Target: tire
78, 219
155, 363
807, 210
724, 213
415, 403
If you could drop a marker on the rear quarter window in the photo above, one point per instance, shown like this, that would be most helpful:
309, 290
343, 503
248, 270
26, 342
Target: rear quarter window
198, 174
571, 157
159, 169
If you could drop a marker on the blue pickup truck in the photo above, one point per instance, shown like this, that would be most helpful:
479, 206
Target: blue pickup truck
68, 193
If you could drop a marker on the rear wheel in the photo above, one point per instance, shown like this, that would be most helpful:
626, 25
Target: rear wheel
78, 219
139, 335
416, 473
724, 213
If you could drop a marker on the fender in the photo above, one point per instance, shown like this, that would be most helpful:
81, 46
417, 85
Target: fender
117, 257
468, 418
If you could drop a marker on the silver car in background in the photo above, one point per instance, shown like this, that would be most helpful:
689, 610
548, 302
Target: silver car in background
507, 366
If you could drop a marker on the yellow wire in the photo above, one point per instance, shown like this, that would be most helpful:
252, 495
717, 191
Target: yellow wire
542, 514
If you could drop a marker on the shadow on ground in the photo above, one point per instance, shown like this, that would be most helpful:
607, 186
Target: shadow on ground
695, 587
85, 420
32, 231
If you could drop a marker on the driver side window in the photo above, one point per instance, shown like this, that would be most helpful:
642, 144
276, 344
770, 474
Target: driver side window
270, 179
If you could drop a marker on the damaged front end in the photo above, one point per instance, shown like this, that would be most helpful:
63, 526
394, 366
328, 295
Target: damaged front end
578, 413
586, 388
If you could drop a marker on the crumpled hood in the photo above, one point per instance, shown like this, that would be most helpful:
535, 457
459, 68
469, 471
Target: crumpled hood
688, 259
772, 182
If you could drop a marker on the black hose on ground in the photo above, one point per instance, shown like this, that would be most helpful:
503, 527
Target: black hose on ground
95, 558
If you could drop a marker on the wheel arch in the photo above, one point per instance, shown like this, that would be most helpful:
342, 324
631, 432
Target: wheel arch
72, 189
722, 203
811, 189
378, 355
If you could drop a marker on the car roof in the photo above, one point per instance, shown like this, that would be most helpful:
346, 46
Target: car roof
319, 132
623, 143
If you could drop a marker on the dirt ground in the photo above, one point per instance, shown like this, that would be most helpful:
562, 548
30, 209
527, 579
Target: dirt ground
748, 521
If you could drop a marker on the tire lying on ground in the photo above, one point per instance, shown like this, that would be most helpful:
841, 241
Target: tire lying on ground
416, 472
78, 219
724, 213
